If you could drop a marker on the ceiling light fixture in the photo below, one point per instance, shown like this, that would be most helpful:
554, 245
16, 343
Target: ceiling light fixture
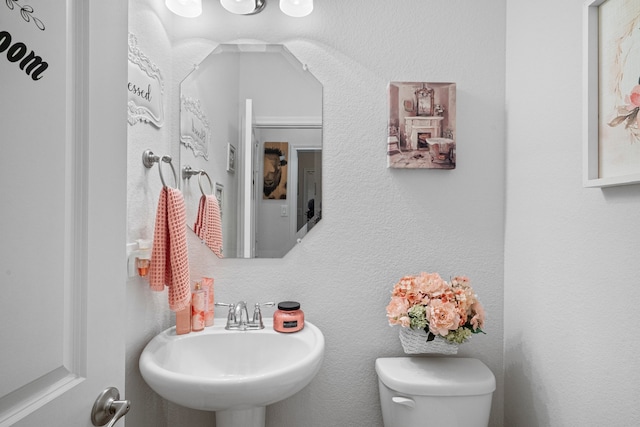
186, 8
243, 7
193, 8
296, 8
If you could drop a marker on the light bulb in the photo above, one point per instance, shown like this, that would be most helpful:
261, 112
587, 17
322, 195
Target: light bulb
186, 8
242, 7
296, 8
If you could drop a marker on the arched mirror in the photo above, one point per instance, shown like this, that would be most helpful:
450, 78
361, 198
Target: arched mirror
251, 150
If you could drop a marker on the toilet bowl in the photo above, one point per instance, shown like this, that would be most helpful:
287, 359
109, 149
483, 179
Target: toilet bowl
434, 391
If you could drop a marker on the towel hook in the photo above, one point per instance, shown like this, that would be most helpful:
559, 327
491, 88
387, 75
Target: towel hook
148, 159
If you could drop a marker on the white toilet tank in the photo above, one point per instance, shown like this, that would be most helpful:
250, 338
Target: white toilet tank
434, 391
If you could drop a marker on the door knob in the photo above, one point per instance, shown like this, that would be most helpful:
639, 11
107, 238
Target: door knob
108, 408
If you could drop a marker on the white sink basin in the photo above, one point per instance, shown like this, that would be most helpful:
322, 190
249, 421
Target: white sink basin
234, 371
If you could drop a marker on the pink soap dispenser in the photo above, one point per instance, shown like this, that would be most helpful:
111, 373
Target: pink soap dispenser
198, 308
207, 285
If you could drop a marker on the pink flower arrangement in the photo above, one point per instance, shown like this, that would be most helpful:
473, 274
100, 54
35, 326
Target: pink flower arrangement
447, 309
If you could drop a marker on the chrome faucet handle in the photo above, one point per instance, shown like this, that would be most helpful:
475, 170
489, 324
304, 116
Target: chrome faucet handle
223, 304
265, 304
231, 317
257, 314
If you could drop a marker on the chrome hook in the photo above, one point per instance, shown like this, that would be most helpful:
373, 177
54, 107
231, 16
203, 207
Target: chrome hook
148, 160
188, 172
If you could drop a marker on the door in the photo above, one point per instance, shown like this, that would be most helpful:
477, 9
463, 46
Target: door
248, 210
62, 216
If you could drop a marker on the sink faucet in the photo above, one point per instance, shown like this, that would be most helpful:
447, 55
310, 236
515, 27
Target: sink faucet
238, 316
238, 312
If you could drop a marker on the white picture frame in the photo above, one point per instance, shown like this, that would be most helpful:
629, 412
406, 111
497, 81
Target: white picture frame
231, 158
219, 193
599, 116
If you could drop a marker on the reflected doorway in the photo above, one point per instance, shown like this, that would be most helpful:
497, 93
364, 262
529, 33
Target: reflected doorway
309, 209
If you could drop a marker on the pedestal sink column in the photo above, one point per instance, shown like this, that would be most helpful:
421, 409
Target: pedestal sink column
253, 417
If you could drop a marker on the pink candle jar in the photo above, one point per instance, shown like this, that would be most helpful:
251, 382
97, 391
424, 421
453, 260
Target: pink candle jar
288, 317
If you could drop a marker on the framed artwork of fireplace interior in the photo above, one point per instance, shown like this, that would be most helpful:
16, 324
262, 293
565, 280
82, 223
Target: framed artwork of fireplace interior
422, 137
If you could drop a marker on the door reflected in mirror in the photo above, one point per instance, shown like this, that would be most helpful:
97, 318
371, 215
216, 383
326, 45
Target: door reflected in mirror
251, 122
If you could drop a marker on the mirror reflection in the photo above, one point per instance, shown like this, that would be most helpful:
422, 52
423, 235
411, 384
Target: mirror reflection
251, 150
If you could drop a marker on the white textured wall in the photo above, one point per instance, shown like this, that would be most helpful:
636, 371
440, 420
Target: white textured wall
378, 224
571, 254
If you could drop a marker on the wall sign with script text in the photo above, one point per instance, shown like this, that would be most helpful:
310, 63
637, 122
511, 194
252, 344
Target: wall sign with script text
145, 87
195, 130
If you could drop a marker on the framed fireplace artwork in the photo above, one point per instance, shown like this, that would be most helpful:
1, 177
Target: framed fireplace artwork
611, 93
422, 125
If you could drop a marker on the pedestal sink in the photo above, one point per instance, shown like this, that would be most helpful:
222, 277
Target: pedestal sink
235, 373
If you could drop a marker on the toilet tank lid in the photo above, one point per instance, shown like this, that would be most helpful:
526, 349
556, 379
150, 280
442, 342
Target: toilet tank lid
436, 376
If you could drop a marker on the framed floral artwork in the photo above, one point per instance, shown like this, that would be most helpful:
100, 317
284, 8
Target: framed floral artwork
611, 93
